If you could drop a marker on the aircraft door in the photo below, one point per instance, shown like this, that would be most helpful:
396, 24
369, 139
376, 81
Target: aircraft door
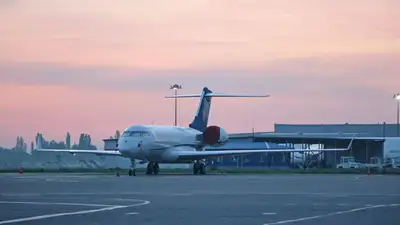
140, 147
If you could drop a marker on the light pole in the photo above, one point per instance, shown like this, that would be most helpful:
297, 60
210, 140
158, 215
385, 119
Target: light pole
175, 87
397, 98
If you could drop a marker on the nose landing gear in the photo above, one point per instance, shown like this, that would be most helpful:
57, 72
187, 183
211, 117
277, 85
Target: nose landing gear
132, 170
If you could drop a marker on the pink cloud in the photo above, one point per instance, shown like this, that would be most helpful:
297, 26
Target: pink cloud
193, 34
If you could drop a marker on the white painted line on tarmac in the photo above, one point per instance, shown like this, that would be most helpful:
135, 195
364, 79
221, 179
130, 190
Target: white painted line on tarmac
124, 199
143, 202
132, 213
201, 192
179, 194
360, 176
344, 204
291, 204
20, 195
55, 203
332, 214
269, 213
61, 180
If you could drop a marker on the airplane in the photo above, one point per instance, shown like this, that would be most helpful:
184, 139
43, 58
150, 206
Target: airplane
156, 144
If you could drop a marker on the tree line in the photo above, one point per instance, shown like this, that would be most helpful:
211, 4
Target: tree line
84, 142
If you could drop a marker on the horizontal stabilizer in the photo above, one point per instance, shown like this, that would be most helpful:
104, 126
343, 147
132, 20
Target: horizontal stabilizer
218, 95
184, 96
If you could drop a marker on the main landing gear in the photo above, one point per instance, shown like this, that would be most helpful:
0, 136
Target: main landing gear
199, 168
152, 168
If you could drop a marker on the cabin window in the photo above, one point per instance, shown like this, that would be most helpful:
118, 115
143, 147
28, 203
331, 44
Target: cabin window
135, 134
126, 133
145, 134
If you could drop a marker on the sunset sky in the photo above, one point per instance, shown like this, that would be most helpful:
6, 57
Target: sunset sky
96, 66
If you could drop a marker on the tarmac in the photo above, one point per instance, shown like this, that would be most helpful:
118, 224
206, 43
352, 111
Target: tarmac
65, 199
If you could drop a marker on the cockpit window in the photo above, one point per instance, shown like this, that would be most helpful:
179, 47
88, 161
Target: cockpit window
135, 134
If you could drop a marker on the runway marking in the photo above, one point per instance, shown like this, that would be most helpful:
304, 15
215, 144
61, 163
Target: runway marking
55, 203
132, 213
360, 176
124, 199
199, 192
179, 194
344, 204
143, 202
291, 204
61, 180
332, 214
21, 195
269, 213
52, 176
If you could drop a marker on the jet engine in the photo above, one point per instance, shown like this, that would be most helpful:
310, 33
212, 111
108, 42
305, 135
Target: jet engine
214, 136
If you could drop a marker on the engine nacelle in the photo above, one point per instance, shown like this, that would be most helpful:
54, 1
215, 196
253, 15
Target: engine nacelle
215, 136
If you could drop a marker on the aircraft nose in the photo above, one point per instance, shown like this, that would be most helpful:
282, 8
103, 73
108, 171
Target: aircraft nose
123, 145
129, 146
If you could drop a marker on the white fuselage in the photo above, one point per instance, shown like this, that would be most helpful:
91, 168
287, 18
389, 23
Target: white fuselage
157, 143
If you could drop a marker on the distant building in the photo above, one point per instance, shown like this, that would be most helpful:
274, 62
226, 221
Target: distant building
110, 144
372, 130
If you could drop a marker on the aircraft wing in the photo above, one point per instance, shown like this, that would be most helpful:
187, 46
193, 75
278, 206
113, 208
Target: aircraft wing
197, 155
95, 152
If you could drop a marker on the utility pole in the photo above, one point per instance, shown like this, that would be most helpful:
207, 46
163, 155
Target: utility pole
397, 97
175, 87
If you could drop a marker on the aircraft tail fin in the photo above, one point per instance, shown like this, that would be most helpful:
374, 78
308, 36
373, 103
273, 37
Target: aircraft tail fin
200, 120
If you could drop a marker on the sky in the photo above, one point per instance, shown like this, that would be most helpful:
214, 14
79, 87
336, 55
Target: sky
97, 66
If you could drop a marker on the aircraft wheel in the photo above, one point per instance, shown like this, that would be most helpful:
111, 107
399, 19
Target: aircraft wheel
130, 172
149, 169
156, 169
202, 168
196, 168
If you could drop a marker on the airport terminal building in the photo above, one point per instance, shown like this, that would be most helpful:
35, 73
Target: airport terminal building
372, 130
370, 140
